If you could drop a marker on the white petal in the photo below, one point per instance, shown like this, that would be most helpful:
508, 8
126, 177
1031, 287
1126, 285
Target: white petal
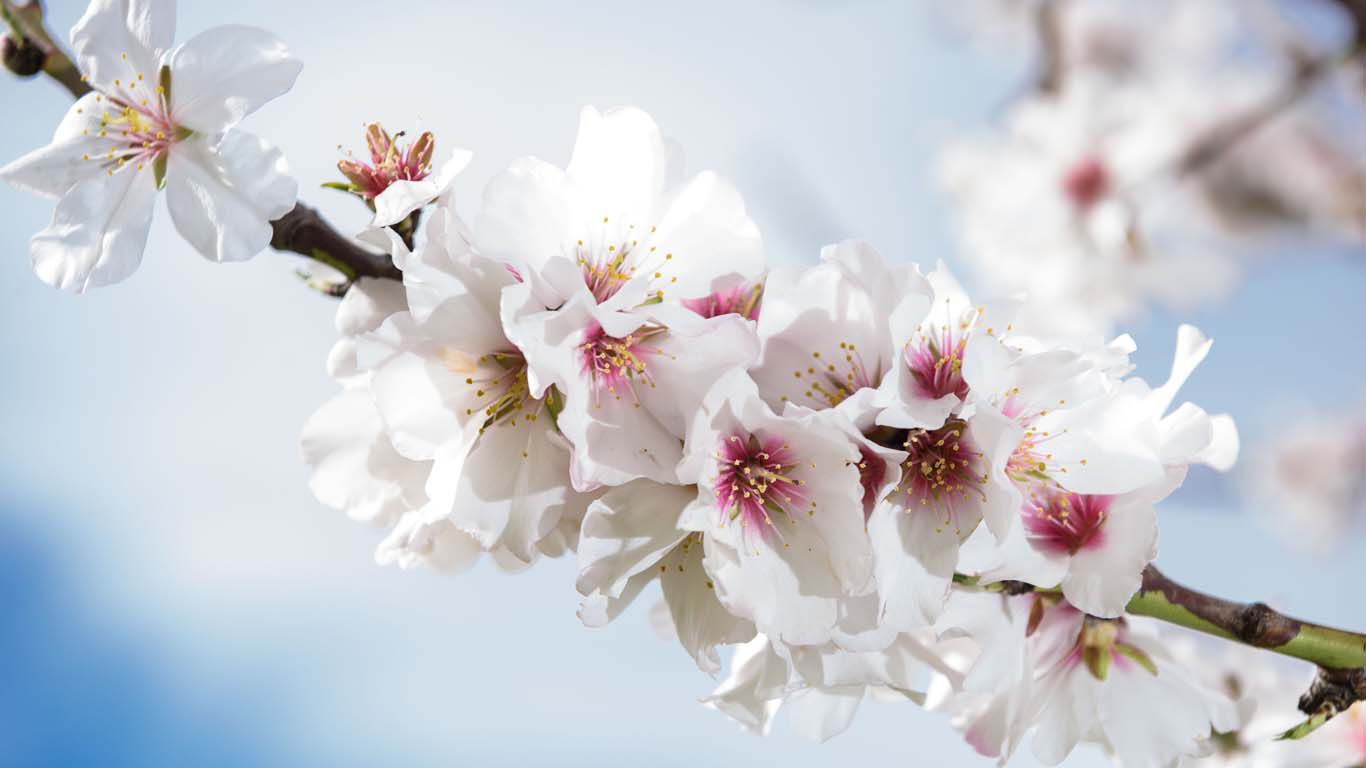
786, 591
513, 485
223, 74
525, 217
628, 531
701, 622
914, 562
120, 39
753, 691
709, 233
620, 167
355, 469
52, 170
98, 231
1103, 576
401, 198
821, 714
223, 196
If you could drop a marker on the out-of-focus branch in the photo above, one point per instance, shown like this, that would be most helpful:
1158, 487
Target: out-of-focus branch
1224, 135
303, 230
1048, 26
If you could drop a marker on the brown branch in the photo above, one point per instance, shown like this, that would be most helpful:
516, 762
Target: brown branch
303, 230
1048, 26
1223, 136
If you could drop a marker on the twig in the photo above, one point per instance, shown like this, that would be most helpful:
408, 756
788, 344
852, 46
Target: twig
1048, 26
303, 230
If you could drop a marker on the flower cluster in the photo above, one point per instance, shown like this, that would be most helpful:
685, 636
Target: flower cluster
807, 462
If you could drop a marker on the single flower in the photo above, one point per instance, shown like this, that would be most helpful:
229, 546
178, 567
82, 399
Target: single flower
158, 117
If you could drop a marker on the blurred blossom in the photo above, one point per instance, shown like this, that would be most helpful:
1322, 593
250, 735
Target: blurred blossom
1162, 138
1310, 480
1074, 205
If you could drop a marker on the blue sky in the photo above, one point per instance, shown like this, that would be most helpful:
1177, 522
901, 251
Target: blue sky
178, 592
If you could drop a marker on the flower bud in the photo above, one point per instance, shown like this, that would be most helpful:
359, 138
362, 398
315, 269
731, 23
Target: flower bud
22, 57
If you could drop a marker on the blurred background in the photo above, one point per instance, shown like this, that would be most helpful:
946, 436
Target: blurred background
171, 593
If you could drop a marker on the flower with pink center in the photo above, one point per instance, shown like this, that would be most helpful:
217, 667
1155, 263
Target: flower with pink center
943, 475
754, 482
935, 362
390, 161
158, 117
617, 365
1058, 522
779, 504
927, 382
1045, 668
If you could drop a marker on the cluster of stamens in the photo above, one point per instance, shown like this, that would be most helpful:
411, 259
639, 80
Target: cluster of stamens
616, 365
827, 383
934, 358
499, 380
391, 161
1061, 522
756, 481
941, 473
615, 260
135, 120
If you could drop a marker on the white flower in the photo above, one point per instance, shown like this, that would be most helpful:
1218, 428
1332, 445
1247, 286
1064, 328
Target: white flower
1072, 678
780, 504
1085, 470
159, 116
609, 249
355, 468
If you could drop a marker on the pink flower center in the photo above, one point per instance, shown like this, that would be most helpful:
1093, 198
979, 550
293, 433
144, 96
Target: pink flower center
391, 161
935, 361
1059, 522
617, 365
1086, 182
136, 126
942, 472
755, 481
743, 300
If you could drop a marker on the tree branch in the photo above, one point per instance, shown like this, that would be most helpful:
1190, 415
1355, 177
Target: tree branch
303, 230
1254, 624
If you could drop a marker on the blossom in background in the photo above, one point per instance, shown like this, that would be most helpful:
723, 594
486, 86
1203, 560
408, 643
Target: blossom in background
1108, 229
158, 117
1309, 482
1145, 185
609, 248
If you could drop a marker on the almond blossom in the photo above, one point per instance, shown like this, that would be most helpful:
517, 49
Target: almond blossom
1069, 678
158, 117
609, 248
